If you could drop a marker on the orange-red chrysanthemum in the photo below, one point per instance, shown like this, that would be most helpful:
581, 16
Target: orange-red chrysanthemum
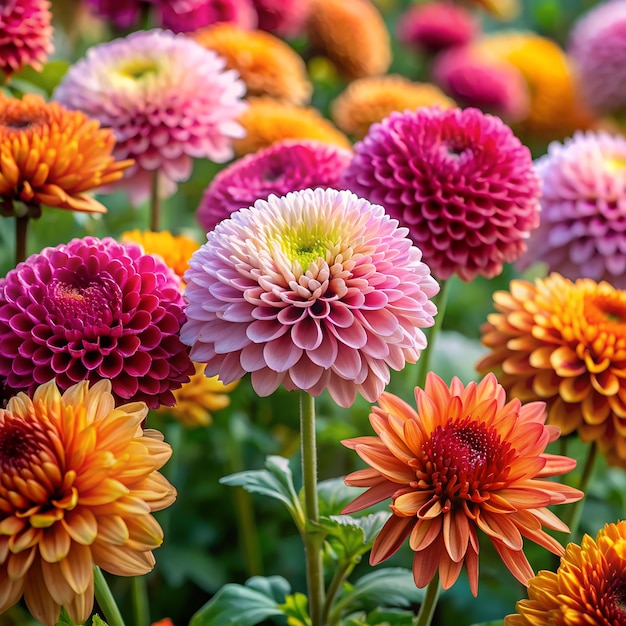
79, 484
52, 156
466, 460
589, 586
564, 342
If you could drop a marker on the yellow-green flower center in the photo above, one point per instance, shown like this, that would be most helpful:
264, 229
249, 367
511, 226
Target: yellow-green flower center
305, 244
137, 69
615, 164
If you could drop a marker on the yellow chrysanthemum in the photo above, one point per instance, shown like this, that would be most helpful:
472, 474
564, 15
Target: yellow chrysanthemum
267, 121
369, 100
266, 64
589, 586
564, 342
52, 156
79, 484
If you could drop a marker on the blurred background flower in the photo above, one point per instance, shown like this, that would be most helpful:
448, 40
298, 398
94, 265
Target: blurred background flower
284, 18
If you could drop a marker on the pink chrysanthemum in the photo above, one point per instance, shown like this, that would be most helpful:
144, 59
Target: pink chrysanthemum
25, 34
209, 12
597, 45
460, 180
94, 309
284, 18
127, 14
288, 165
167, 99
314, 290
435, 26
582, 231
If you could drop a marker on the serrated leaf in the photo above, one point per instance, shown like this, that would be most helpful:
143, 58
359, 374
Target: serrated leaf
296, 608
355, 535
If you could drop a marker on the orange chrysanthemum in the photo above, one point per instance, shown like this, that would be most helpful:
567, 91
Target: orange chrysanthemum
564, 342
79, 483
465, 460
369, 100
52, 156
351, 34
267, 121
266, 64
589, 586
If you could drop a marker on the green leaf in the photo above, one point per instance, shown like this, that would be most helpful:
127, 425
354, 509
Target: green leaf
334, 495
381, 617
64, 619
296, 608
275, 587
96, 620
498, 622
44, 82
355, 535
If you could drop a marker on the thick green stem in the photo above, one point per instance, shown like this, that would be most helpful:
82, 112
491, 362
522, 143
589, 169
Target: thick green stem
155, 202
21, 238
141, 605
427, 608
105, 599
313, 540
573, 514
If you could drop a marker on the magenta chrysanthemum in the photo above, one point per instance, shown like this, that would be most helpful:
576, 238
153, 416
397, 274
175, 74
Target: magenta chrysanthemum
582, 231
460, 180
314, 290
94, 309
284, 18
288, 165
208, 12
168, 100
25, 34
597, 46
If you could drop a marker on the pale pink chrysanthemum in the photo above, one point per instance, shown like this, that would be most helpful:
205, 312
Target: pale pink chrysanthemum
315, 290
168, 100
25, 34
284, 18
582, 231
288, 165
459, 179
208, 12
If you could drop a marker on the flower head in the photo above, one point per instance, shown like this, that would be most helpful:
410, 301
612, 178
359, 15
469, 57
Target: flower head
466, 460
93, 309
52, 156
25, 34
587, 588
564, 343
460, 180
582, 232
79, 483
315, 290
166, 98
266, 64
288, 165
368, 100
207, 12
285, 18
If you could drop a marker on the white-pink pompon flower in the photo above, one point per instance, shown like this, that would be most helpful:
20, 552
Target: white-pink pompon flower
315, 290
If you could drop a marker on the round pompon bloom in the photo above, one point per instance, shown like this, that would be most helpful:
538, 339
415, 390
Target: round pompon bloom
79, 484
466, 460
284, 18
459, 179
93, 309
582, 232
314, 290
166, 98
588, 587
289, 165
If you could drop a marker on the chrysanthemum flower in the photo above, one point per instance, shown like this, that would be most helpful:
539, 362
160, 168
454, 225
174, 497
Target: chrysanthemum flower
207, 12
268, 120
466, 460
587, 588
25, 34
93, 309
315, 290
266, 64
436, 26
52, 156
369, 100
564, 342
127, 15
167, 99
285, 166
79, 484
460, 180
582, 232
284, 18
351, 34
597, 46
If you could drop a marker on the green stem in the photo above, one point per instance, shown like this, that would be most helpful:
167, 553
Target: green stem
573, 514
155, 203
313, 540
105, 599
331, 613
21, 237
141, 605
427, 608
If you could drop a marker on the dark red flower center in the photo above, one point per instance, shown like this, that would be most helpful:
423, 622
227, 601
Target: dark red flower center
16, 445
616, 600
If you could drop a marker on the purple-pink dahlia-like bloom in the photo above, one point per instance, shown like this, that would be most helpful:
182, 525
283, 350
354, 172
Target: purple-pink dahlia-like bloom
597, 46
168, 100
459, 179
435, 26
25, 34
208, 12
284, 18
287, 165
582, 231
94, 309
315, 290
